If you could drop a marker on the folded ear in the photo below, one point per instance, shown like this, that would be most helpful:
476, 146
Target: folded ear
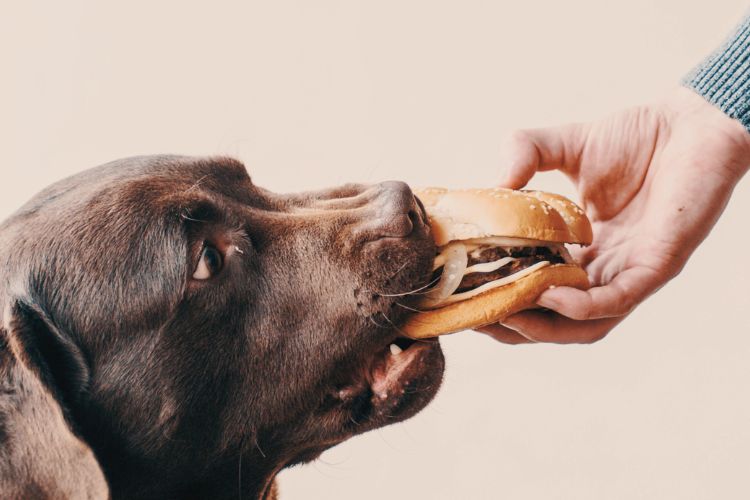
40, 455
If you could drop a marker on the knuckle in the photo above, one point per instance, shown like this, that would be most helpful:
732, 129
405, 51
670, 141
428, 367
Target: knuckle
523, 143
583, 310
519, 136
580, 314
626, 306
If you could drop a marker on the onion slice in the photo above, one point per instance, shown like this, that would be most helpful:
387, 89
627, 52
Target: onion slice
491, 285
454, 269
488, 267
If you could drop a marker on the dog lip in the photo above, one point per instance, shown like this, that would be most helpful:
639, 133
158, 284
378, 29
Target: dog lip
390, 368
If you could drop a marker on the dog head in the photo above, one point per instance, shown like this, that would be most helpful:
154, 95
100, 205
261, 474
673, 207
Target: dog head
194, 326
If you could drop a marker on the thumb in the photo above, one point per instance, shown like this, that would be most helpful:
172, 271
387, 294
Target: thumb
526, 152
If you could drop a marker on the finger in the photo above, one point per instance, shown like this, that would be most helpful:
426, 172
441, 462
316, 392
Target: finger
548, 326
617, 298
503, 334
527, 151
582, 255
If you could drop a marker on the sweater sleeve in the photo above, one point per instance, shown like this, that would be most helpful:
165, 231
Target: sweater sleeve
723, 78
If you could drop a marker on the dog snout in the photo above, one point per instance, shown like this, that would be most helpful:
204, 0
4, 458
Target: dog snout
397, 211
370, 212
398, 194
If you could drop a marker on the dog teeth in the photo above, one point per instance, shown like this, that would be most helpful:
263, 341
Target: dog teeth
396, 350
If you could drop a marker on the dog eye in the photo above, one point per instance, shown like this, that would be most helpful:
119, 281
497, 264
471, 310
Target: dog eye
209, 265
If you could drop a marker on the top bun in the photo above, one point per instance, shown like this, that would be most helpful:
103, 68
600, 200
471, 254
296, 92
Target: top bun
462, 214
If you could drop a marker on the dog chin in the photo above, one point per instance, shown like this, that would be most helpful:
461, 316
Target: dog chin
404, 378
390, 385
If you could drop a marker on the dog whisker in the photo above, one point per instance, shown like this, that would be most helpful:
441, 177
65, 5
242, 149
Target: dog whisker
383, 438
412, 309
262, 454
372, 320
416, 291
330, 464
186, 215
399, 330
321, 472
403, 266
395, 327
239, 474
197, 184
420, 390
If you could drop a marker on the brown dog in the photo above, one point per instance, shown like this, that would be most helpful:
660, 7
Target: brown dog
170, 330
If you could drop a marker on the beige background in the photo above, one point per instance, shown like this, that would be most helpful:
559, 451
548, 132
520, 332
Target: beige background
311, 93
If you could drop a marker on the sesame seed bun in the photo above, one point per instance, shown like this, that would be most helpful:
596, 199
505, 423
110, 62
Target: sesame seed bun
463, 214
539, 218
578, 224
493, 305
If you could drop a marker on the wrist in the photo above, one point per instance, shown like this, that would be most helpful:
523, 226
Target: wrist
685, 108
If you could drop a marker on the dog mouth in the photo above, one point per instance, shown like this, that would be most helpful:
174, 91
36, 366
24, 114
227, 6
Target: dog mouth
391, 384
393, 369
391, 377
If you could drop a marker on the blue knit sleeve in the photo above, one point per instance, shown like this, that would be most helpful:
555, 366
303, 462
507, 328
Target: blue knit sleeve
723, 78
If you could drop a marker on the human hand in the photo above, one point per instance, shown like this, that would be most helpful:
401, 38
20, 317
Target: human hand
653, 181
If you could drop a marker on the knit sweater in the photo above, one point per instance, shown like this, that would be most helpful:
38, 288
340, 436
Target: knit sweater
723, 78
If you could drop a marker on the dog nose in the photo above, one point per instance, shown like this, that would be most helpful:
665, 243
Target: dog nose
398, 194
399, 212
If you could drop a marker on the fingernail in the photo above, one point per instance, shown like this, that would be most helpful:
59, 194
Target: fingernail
511, 323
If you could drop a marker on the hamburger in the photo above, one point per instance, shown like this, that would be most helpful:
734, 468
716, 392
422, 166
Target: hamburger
497, 251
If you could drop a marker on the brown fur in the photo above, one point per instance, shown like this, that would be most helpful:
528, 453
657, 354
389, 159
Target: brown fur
121, 373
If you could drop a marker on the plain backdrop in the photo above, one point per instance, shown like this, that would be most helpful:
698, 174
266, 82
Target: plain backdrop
314, 93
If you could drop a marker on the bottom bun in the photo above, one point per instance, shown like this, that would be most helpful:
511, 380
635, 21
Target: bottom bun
493, 305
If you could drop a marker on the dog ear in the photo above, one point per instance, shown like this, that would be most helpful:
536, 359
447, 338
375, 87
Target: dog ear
50, 354
40, 455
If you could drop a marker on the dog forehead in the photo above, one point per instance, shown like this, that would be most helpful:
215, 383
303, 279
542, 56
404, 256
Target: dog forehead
155, 177
167, 200
141, 183
120, 215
